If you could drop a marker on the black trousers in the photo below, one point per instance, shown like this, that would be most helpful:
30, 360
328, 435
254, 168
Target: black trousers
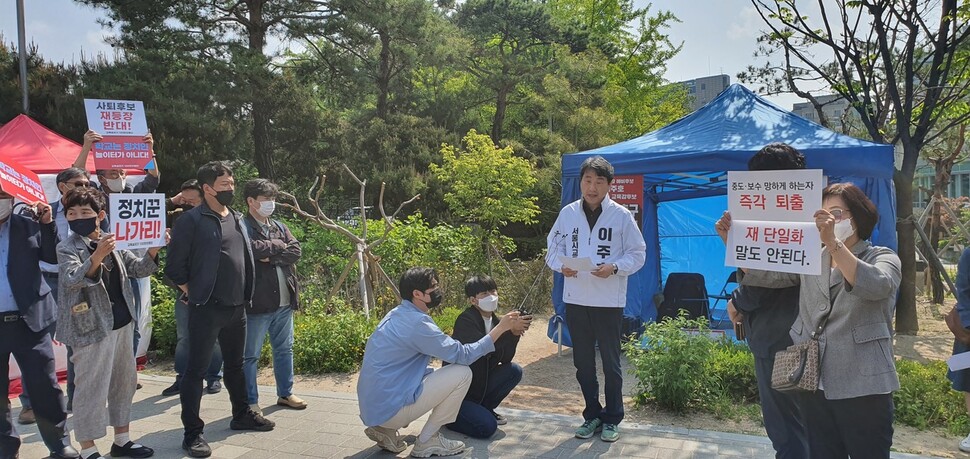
860, 427
587, 327
782, 414
208, 323
34, 352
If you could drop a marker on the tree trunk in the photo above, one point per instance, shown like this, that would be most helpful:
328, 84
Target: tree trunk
906, 321
933, 230
384, 75
260, 76
501, 105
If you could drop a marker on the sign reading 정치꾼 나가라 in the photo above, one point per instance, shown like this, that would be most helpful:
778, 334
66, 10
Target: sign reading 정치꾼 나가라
122, 126
772, 220
138, 220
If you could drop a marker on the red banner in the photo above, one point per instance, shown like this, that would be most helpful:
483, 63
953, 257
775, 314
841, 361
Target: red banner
121, 152
20, 182
627, 190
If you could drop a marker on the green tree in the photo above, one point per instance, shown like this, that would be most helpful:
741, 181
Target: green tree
225, 32
897, 63
486, 184
511, 46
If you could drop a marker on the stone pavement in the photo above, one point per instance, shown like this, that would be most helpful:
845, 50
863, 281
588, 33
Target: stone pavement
330, 427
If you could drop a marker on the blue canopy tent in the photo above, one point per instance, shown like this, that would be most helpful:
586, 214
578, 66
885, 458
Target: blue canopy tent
684, 173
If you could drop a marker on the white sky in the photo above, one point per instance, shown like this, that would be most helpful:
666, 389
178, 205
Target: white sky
718, 35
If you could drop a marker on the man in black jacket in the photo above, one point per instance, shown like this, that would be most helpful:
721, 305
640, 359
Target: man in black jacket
211, 261
27, 310
276, 295
494, 375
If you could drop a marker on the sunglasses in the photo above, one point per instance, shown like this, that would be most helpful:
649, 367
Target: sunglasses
79, 184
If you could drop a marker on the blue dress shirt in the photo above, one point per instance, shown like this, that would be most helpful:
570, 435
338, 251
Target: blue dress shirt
396, 361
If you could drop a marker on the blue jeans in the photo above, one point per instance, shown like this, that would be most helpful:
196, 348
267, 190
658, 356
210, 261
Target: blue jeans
279, 325
214, 372
476, 420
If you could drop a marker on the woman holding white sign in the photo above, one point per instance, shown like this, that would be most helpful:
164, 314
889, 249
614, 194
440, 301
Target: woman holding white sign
96, 308
848, 310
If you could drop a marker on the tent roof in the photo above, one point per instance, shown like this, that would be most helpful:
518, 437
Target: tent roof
38, 148
723, 135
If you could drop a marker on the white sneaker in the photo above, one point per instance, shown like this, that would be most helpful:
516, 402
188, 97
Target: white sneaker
965, 444
437, 446
386, 438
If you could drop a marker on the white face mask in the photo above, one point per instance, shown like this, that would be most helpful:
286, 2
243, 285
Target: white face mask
6, 208
116, 185
844, 230
489, 303
266, 208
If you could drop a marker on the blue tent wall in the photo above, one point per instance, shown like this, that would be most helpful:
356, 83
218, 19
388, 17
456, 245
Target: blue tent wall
721, 136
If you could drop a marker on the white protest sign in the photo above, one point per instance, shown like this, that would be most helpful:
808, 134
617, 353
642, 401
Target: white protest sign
772, 220
138, 220
116, 117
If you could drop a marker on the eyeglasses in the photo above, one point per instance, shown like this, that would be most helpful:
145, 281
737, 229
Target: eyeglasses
839, 214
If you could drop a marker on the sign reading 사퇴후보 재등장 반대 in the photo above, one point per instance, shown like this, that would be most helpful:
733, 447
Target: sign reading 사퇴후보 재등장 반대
138, 220
122, 125
772, 220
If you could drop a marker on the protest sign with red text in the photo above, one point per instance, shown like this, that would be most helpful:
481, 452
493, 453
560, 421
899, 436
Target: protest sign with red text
138, 220
627, 191
20, 182
773, 220
122, 126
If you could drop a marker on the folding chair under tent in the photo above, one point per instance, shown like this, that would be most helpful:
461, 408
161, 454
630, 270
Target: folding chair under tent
684, 167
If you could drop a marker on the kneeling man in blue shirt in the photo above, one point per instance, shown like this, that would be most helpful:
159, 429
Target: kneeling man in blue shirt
396, 386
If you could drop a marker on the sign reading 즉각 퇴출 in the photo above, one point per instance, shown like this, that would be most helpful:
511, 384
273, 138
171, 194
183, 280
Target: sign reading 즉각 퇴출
122, 126
138, 220
772, 220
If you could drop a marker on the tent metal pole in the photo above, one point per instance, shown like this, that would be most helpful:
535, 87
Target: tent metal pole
22, 52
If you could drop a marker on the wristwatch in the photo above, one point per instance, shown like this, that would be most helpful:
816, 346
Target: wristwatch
838, 246
615, 268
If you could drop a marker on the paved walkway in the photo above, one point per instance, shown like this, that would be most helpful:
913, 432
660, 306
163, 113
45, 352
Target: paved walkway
330, 427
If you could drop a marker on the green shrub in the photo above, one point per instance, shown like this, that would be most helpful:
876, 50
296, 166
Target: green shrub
163, 318
926, 400
671, 366
732, 365
446, 317
330, 338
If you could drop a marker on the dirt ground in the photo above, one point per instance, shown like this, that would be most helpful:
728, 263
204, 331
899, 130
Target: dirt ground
549, 385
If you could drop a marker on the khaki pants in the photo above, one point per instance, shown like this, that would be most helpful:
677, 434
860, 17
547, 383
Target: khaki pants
104, 373
442, 393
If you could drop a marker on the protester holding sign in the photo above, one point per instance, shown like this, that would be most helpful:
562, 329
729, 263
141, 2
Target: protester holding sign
852, 302
766, 315
96, 307
596, 228
27, 310
958, 320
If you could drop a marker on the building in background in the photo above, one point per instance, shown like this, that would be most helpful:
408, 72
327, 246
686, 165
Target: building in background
834, 107
705, 89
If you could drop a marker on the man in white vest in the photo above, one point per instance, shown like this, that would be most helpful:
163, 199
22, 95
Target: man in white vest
597, 228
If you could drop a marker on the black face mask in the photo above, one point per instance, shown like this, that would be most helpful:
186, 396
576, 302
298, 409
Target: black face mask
224, 197
436, 298
83, 226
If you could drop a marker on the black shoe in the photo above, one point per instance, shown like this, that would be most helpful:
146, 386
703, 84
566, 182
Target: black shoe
67, 452
196, 447
214, 387
96, 455
171, 390
131, 450
250, 420
138, 386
